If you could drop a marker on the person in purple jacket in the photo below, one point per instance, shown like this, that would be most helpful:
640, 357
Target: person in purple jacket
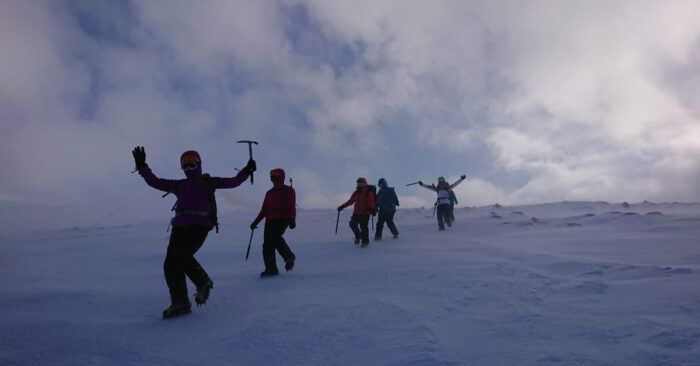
194, 217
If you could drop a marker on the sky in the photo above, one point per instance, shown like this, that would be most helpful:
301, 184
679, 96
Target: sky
535, 101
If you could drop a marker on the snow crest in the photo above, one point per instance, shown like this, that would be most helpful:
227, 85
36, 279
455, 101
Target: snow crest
571, 283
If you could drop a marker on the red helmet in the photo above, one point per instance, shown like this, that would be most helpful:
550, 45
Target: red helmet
277, 173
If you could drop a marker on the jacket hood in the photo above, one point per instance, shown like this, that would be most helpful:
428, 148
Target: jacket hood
383, 182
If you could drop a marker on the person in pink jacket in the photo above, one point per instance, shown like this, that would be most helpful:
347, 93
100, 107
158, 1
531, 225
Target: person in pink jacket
195, 216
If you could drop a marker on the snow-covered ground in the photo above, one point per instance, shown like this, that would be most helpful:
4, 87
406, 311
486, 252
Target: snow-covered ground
572, 283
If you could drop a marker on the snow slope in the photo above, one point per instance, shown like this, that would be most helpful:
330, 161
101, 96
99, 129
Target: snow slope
572, 283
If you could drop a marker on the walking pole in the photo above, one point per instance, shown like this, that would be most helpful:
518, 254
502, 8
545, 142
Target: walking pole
336, 223
372, 222
410, 184
249, 242
434, 209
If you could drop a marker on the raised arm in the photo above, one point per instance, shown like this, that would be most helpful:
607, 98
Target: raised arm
428, 187
230, 182
165, 185
461, 179
238, 179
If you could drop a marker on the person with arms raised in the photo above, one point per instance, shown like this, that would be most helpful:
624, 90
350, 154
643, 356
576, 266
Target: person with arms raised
443, 190
195, 216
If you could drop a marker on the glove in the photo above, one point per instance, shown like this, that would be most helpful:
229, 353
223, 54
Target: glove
463, 176
250, 167
139, 156
292, 224
253, 226
340, 208
420, 183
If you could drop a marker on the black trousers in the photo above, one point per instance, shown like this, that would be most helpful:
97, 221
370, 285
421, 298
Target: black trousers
274, 229
443, 215
358, 225
388, 217
180, 262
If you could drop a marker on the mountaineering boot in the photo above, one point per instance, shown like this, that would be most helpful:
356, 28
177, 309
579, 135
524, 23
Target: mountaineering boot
357, 240
396, 236
377, 238
203, 293
364, 244
289, 263
177, 310
268, 273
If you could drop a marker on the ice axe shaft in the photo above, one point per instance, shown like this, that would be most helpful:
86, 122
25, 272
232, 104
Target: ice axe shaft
247, 253
410, 184
250, 151
336, 223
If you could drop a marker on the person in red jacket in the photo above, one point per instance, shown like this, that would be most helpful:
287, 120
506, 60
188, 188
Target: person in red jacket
364, 201
279, 211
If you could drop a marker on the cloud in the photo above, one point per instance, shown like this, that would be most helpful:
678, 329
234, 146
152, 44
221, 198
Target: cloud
536, 101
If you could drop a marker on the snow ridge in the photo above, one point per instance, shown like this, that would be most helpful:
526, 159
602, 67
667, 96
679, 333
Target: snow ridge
571, 283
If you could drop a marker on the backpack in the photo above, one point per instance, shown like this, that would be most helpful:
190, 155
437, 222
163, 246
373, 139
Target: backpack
205, 179
373, 189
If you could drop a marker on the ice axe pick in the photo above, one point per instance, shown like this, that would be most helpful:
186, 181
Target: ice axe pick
250, 150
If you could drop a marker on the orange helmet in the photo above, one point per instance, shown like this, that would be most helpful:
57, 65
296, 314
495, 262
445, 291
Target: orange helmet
190, 156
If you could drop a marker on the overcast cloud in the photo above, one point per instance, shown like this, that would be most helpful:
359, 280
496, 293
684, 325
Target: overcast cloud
536, 101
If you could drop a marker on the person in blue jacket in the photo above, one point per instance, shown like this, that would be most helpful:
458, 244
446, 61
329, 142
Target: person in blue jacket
386, 204
453, 202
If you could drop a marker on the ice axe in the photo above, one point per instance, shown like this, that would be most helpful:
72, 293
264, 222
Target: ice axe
249, 242
410, 184
250, 150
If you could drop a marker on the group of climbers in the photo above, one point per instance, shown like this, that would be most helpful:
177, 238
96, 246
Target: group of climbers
368, 201
196, 214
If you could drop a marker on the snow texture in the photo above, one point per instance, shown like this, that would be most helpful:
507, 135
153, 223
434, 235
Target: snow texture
571, 283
